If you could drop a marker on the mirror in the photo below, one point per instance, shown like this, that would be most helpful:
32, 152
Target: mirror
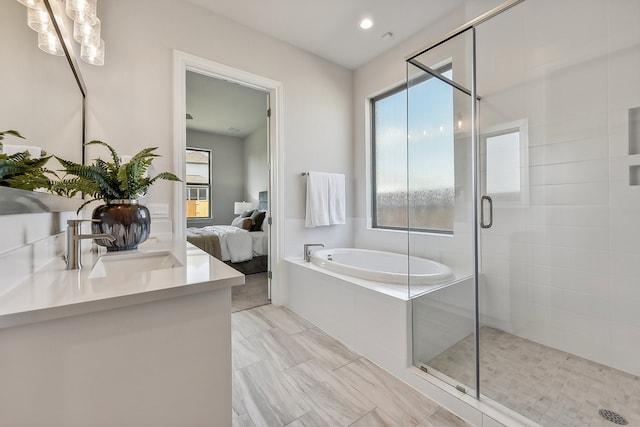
40, 95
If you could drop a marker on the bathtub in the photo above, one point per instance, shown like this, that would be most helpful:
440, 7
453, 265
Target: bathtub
386, 267
371, 317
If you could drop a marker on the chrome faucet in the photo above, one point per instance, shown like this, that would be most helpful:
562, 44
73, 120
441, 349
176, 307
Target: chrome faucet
73, 241
307, 252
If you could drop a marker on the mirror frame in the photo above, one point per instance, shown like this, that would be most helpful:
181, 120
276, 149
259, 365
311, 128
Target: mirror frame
14, 201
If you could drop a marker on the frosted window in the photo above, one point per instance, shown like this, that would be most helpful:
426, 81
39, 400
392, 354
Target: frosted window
503, 163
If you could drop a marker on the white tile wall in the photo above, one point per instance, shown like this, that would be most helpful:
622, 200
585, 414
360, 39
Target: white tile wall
563, 270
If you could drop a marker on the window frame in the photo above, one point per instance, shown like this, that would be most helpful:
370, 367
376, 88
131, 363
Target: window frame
207, 186
403, 87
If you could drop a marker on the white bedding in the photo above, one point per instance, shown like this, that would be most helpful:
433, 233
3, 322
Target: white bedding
236, 244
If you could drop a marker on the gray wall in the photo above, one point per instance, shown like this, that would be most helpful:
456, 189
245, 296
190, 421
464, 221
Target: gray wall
227, 166
256, 172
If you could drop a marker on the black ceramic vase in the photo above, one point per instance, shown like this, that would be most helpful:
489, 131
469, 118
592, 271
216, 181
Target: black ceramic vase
125, 220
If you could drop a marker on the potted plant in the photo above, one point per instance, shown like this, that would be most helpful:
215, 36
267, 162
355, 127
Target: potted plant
21, 171
118, 185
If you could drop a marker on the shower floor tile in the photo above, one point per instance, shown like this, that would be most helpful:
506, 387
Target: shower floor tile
548, 386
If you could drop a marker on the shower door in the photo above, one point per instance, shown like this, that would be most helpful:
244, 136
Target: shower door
441, 194
542, 315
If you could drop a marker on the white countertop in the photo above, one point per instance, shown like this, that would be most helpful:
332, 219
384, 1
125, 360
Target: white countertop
54, 292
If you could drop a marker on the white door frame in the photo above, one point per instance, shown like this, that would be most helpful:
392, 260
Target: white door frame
182, 62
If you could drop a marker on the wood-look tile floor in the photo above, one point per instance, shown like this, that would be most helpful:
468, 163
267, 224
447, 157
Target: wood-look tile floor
549, 386
286, 372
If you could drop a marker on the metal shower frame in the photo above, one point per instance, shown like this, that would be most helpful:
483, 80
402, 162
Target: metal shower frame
412, 59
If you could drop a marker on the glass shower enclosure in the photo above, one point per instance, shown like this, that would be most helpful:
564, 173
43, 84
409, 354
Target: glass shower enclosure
523, 157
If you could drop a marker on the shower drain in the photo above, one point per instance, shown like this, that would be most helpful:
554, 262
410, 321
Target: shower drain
613, 417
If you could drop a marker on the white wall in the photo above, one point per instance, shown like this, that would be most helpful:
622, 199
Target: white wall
227, 178
130, 98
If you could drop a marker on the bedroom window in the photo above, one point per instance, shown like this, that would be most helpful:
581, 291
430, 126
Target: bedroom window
422, 147
198, 169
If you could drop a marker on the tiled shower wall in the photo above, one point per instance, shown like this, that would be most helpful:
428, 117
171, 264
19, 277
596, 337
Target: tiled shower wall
562, 267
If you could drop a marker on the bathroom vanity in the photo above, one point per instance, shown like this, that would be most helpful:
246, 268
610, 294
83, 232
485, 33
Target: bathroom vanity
141, 338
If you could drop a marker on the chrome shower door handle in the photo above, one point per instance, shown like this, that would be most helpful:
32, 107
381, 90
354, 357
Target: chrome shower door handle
490, 202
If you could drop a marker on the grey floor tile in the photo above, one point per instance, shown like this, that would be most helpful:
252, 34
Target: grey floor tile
325, 348
443, 418
280, 348
242, 421
403, 404
243, 352
300, 377
336, 402
378, 418
283, 319
269, 398
249, 323
310, 419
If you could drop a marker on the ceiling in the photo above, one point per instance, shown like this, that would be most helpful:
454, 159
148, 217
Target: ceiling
222, 107
327, 28
330, 28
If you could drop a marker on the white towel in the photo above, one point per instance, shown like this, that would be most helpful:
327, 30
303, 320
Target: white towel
34, 151
325, 199
337, 204
317, 210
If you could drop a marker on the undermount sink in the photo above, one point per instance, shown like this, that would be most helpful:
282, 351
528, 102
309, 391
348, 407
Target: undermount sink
131, 263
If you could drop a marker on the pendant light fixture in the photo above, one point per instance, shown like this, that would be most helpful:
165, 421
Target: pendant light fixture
86, 27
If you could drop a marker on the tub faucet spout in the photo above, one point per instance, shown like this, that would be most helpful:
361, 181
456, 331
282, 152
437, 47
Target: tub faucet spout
307, 251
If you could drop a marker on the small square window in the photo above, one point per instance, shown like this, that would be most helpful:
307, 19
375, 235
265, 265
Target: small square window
504, 150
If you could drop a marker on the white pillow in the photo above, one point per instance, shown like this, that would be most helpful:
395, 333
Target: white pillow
237, 222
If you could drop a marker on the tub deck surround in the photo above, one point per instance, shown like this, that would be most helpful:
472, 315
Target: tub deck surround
151, 348
54, 292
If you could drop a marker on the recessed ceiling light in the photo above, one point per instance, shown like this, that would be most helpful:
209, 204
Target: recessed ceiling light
366, 23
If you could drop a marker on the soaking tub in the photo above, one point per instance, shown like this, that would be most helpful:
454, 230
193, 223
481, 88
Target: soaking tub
386, 267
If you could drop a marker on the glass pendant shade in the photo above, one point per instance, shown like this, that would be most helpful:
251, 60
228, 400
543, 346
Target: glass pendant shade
49, 43
87, 33
33, 4
38, 20
82, 10
93, 54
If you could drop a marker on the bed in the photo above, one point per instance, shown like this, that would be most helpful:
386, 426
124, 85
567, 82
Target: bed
243, 245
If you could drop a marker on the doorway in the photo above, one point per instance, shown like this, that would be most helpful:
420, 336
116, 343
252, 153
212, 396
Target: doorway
228, 116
